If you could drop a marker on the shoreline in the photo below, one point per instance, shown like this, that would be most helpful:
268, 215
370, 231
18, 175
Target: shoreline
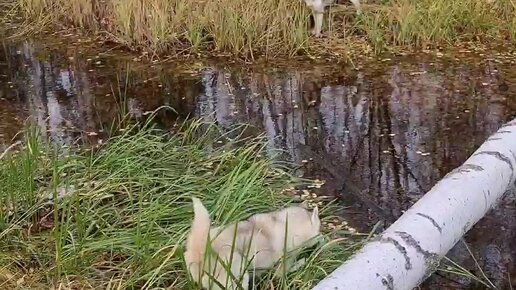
379, 32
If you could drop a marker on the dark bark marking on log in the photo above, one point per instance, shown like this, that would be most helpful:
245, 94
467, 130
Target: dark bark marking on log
493, 138
387, 281
510, 124
431, 219
499, 156
431, 259
465, 228
464, 168
504, 132
513, 155
485, 200
399, 247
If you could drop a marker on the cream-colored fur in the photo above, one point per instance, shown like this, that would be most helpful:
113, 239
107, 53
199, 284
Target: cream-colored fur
255, 244
318, 6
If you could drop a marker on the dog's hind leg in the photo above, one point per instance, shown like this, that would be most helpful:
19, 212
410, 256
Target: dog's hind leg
318, 19
245, 281
234, 274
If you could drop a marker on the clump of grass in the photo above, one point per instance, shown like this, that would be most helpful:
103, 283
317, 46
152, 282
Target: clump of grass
418, 23
116, 216
239, 27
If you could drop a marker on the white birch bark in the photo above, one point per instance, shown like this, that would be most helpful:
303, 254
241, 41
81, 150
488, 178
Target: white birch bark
411, 248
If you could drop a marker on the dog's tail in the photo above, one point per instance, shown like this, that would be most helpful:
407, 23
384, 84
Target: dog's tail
197, 240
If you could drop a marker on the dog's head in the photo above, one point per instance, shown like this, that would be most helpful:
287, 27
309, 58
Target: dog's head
315, 221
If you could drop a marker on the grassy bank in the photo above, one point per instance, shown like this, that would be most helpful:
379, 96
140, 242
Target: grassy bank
421, 23
239, 27
115, 216
273, 28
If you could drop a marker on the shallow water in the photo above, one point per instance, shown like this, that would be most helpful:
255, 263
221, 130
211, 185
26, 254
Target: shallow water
392, 129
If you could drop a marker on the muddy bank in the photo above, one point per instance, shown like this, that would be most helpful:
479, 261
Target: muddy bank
392, 129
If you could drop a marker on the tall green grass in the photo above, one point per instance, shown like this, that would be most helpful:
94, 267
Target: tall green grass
115, 216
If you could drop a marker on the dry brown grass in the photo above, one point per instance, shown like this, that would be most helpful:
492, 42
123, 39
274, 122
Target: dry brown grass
239, 27
418, 23
273, 28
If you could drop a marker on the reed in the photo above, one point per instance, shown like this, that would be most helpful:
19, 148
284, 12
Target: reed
422, 23
239, 27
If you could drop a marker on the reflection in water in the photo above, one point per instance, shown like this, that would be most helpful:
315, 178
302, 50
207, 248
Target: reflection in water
394, 130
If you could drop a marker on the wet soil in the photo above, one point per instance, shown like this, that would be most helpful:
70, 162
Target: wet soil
390, 129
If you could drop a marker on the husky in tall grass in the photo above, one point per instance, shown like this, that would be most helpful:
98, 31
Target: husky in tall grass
222, 257
318, 6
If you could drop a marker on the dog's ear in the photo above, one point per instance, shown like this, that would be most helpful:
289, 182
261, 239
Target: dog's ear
315, 215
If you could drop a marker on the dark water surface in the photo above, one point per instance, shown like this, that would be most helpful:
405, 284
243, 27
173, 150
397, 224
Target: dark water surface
392, 129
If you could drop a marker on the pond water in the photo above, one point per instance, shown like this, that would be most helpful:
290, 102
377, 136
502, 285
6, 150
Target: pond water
390, 128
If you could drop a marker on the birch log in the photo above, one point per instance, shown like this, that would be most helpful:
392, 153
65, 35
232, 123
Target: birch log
409, 251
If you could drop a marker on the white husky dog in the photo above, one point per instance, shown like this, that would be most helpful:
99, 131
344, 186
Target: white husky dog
255, 244
318, 6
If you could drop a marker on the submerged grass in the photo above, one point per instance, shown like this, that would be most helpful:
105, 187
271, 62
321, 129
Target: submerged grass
116, 216
275, 27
